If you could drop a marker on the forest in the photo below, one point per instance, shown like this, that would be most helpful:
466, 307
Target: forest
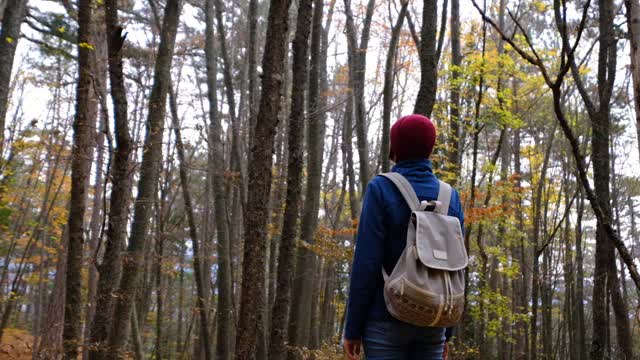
183, 179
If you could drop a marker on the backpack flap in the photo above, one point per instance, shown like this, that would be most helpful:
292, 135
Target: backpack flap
439, 241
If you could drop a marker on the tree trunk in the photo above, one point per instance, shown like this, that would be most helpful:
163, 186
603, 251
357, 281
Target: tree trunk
454, 141
520, 297
535, 278
568, 273
10, 34
228, 84
49, 347
147, 183
216, 167
111, 266
201, 301
253, 73
314, 316
389, 77
579, 294
83, 139
97, 215
286, 257
256, 216
305, 275
357, 55
428, 59
605, 268
633, 26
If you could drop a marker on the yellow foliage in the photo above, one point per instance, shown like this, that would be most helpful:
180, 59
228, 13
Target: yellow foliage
86, 45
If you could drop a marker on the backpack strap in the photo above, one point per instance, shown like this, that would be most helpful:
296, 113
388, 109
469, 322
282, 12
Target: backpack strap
444, 197
405, 188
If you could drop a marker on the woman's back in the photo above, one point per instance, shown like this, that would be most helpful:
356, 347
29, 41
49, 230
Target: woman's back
380, 241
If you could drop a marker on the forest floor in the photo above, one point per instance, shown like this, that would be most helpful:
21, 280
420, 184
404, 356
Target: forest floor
16, 345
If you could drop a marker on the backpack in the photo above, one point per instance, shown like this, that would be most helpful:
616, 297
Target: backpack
426, 287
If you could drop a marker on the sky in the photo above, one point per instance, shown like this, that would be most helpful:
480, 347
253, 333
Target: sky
35, 104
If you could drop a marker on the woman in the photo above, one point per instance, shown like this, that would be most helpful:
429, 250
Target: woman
380, 242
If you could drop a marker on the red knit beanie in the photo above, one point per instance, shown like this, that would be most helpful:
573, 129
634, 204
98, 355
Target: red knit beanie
412, 137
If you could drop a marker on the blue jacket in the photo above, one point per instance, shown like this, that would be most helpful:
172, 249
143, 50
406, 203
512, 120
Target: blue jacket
381, 239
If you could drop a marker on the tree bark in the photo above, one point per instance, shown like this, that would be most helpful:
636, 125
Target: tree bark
10, 34
83, 139
216, 167
111, 266
428, 59
256, 215
357, 55
389, 77
253, 77
454, 141
633, 26
147, 183
201, 301
605, 275
305, 275
579, 293
286, 257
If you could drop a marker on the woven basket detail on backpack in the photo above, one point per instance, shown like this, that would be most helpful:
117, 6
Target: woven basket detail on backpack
409, 303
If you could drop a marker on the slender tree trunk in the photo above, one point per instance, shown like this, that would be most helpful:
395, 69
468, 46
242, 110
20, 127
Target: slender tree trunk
97, 201
253, 73
535, 278
135, 335
454, 141
633, 26
428, 59
228, 85
305, 278
467, 326
568, 273
286, 257
216, 167
10, 34
389, 77
579, 293
605, 276
357, 67
147, 183
520, 284
201, 302
111, 266
49, 347
256, 216
83, 139
158, 255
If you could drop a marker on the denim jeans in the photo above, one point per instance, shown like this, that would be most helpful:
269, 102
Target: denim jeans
396, 340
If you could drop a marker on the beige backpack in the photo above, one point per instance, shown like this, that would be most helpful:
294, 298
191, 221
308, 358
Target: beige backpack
426, 287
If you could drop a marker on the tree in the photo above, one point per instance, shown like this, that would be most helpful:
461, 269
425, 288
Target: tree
83, 139
453, 141
428, 59
201, 300
147, 182
111, 266
256, 215
12, 18
633, 24
286, 256
301, 312
357, 54
387, 93
216, 163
